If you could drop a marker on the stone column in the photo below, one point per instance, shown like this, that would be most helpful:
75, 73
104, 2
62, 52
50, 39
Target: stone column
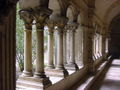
50, 46
72, 64
88, 36
40, 18
65, 46
28, 19
61, 22
79, 48
39, 70
60, 49
107, 39
94, 46
91, 67
103, 46
72, 47
107, 44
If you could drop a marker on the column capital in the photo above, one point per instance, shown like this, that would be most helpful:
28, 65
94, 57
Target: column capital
51, 26
60, 22
41, 15
71, 27
27, 17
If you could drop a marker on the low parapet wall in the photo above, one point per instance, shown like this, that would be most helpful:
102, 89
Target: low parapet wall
69, 81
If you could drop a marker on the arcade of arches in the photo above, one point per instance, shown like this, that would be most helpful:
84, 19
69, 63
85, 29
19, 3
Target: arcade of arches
83, 42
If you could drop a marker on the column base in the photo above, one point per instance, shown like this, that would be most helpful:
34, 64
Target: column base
33, 83
72, 66
50, 67
57, 72
39, 75
27, 74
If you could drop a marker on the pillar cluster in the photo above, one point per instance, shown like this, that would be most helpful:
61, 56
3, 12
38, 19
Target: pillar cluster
39, 16
63, 56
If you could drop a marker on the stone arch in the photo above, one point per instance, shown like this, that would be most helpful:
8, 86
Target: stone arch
114, 47
69, 13
106, 17
55, 6
72, 13
79, 19
58, 7
112, 21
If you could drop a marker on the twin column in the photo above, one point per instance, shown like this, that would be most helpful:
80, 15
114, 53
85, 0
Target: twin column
60, 23
28, 18
71, 27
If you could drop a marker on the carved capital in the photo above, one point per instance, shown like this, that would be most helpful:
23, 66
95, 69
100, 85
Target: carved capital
50, 31
71, 27
40, 16
59, 21
27, 17
50, 25
60, 31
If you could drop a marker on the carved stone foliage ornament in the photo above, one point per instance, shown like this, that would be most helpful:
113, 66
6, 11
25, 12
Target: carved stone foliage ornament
60, 22
27, 17
72, 26
40, 16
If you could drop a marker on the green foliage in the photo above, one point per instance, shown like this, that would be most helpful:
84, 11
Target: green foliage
19, 41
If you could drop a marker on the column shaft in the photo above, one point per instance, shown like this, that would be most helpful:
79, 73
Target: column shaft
39, 70
72, 64
50, 50
68, 47
65, 48
72, 48
60, 50
103, 47
27, 53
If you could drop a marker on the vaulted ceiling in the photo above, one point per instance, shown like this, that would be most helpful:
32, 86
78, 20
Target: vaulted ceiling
106, 10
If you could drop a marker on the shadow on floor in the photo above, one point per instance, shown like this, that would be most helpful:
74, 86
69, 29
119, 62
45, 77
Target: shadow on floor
109, 79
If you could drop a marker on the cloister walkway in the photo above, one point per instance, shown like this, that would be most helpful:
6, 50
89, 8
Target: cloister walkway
110, 78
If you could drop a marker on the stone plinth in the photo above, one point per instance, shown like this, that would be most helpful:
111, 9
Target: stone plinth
72, 67
32, 82
56, 72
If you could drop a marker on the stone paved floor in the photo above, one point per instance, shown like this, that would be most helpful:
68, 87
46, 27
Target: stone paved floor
111, 79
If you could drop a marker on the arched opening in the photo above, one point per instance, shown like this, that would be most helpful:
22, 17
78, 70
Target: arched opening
55, 6
114, 47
